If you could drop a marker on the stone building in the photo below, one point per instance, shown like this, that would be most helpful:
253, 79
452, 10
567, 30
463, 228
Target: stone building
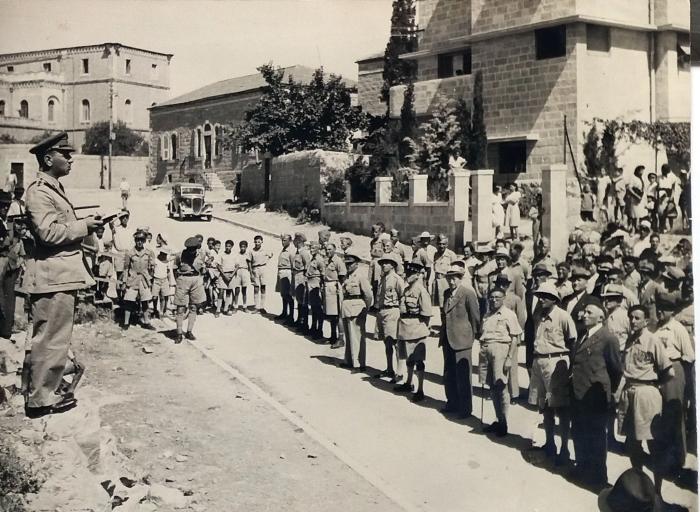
69, 89
187, 132
544, 60
369, 84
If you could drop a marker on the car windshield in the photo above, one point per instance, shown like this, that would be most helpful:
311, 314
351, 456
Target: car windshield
191, 190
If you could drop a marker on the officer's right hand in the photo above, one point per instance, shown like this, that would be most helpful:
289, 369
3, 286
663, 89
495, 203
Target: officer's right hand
93, 223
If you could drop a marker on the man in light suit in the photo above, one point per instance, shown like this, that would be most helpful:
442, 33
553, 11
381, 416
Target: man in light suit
462, 321
54, 274
596, 370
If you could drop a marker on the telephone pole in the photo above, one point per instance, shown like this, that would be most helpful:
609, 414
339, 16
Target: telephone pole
111, 127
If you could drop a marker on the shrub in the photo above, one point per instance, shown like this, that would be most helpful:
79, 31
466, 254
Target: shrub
16, 479
528, 190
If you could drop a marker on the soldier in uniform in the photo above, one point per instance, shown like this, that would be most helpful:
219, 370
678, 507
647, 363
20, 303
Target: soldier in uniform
333, 275
138, 278
357, 299
443, 259
54, 275
284, 279
314, 275
554, 335
517, 306
645, 364
499, 336
189, 287
388, 298
416, 310
258, 263
300, 262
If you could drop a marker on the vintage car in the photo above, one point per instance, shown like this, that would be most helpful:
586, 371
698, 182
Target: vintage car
188, 201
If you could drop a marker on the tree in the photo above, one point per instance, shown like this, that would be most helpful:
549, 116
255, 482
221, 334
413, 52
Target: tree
407, 125
402, 40
477, 148
291, 116
608, 157
464, 119
126, 142
440, 139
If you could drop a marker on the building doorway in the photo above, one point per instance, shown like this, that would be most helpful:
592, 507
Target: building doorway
207, 138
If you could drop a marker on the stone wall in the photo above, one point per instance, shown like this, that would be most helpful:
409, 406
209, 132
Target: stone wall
252, 184
440, 20
85, 171
369, 85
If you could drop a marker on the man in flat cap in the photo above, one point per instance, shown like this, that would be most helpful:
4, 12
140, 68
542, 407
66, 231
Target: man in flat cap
189, 287
54, 274
596, 369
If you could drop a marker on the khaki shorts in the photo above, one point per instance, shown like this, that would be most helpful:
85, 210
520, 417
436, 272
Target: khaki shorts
492, 357
241, 279
161, 286
639, 411
388, 323
412, 351
141, 293
189, 290
257, 277
549, 382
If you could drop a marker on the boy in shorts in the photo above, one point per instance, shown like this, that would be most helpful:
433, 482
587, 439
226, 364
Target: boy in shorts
189, 288
163, 282
258, 263
137, 277
241, 279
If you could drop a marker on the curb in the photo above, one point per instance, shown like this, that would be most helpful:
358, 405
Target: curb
376, 481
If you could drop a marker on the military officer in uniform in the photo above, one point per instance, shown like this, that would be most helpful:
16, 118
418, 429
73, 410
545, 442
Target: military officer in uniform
284, 279
357, 299
333, 275
300, 262
416, 310
389, 292
443, 258
54, 274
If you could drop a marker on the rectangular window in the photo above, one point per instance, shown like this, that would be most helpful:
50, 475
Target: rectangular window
512, 157
10, 69
597, 38
466, 62
47, 67
154, 71
445, 65
127, 67
550, 42
86, 66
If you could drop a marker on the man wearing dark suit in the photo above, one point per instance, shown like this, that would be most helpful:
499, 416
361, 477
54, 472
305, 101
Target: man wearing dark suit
596, 369
461, 311
576, 302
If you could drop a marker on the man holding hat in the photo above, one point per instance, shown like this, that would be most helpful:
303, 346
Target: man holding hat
499, 336
555, 333
357, 299
284, 279
680, 351
54, 274
189, 286
389, 292
458, 330
137, 280
416, 310
596, 370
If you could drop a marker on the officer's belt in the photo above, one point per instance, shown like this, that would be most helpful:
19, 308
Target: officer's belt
349, 297
550, 356
381, 308
259, 265
410, 315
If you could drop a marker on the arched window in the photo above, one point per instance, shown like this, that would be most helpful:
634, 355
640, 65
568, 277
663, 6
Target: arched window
128, 112
2, 108
173, 146
85, 112
165, 147
24, 108
51, 110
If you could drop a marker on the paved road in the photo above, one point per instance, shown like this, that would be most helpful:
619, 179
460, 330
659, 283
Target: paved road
420, 458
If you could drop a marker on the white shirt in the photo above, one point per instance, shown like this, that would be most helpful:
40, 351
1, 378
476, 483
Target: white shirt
124, 186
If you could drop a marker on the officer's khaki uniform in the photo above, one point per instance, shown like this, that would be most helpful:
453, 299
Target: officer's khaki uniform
497, 332
53, 276
284, 272
388, 296
415, 306
440, 266
357, 299
334, 271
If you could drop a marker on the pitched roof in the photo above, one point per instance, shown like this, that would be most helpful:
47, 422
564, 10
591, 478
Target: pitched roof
241, 84
374, 56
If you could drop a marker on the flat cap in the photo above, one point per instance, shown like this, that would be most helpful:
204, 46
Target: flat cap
590, 300
580, 272
58, 141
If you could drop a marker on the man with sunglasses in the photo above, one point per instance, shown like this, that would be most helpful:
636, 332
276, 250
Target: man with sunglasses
53, 276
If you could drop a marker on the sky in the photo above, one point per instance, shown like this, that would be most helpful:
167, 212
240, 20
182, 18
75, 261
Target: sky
210, 40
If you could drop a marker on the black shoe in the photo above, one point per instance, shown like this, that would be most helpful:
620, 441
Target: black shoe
65, 404
550, 450
190, 336
464, 415
348, 366
359, 369
493, 427
448, 409
502, 430
338, 344
403, 388
217, 314
178, 338
385, 374
125, 327
563, 458
280, 317
148, 327
418, 396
